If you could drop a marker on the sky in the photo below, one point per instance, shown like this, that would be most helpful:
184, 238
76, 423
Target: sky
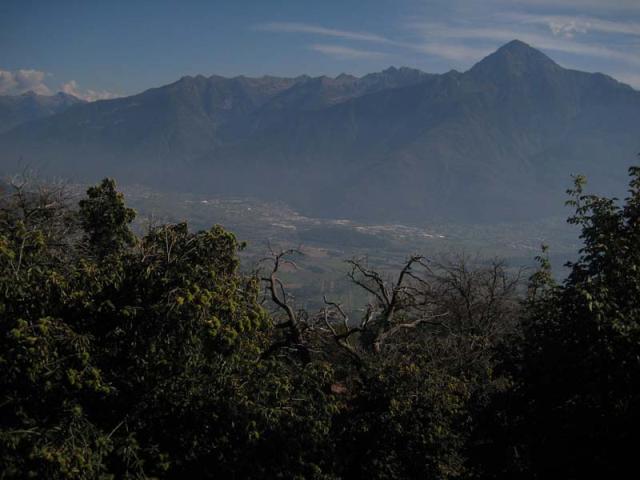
103, 49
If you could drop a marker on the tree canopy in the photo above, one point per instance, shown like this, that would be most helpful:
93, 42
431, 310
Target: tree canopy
126, 355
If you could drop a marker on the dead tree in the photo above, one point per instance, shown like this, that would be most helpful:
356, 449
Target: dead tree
482, 300
292, 322
467, 310
397, 305
336, 322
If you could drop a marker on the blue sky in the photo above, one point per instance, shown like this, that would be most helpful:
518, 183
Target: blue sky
97, 49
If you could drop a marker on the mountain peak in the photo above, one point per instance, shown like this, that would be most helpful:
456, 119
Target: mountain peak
515, 58
519, 49
516, 45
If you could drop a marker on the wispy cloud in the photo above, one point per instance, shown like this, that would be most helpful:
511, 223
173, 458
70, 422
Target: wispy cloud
440, 32
440, 49
450, 51
72, 88
294, 27
592, 4
21, 81
568, 26
546, 24
341, 52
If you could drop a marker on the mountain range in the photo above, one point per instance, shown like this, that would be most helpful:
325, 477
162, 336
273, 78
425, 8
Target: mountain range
495, 143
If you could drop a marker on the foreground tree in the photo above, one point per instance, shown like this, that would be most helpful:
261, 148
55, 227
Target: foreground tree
414, 365
152, 356
576, 406
139, 357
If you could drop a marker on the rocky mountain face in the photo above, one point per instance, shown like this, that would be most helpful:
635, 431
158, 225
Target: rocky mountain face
495, 143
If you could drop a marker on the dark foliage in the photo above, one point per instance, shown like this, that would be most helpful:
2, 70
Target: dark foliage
152, 356
575, 405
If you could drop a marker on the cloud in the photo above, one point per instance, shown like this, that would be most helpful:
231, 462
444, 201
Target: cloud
72, 88
453, 52
21, 81
456, 52
594, 4
339, 52
434, 32
345, 53
294, 27
568, 26
466, 40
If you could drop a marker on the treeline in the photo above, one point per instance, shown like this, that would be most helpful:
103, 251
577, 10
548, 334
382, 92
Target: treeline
126, 356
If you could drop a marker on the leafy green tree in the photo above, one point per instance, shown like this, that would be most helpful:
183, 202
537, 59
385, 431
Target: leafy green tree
153, 356
576, 406
46, 367
134, 357
105, 219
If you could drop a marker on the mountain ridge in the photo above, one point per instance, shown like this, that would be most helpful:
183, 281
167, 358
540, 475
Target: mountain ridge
496, 142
